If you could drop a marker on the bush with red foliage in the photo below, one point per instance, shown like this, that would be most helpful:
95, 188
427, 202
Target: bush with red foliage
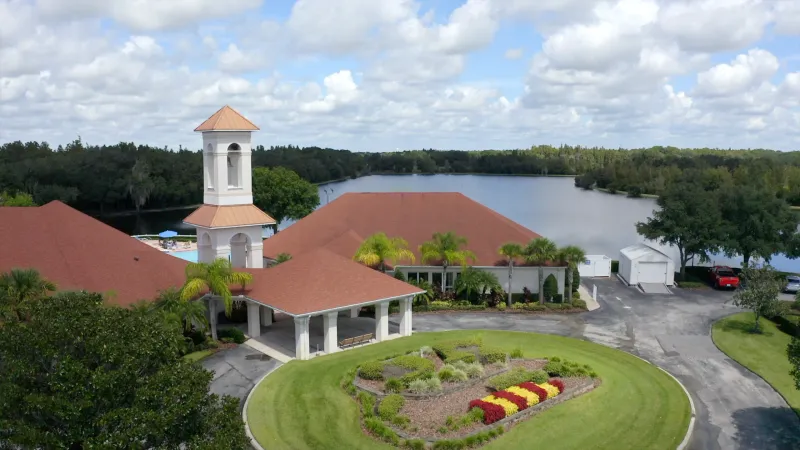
513, 398
557, 383
535, 389
491, 412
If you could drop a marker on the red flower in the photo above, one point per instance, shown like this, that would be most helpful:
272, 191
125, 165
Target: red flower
557, 383
491, 412
535, 389
513, 398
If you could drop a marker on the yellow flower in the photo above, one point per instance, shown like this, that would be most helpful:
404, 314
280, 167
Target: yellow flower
552, 391
509, 407
531, 397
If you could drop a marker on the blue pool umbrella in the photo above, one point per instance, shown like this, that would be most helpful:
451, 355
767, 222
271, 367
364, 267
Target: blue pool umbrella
167, 234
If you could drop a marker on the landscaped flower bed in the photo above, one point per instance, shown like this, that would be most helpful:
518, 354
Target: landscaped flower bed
421, 396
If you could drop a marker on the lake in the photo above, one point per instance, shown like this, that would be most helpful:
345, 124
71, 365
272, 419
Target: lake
600, 223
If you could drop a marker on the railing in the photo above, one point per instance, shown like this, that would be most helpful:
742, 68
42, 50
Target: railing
180, 237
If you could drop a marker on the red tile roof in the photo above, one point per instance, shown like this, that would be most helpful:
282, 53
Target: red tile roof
226, 119
341, 225
320, 280
76, 251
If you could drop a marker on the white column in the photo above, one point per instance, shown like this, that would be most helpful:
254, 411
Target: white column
331, 338
354, 311
266, 316
212, 317
405, 316
301, 337
221, 251
255, 255
253, 320
381, 321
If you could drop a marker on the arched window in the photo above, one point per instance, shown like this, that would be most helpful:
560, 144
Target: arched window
234, 166
234, 147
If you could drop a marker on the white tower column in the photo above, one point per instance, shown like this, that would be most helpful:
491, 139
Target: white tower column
354, 311
381, 321
331, 332
405, 316
266, 316
301, 337
255, 254
253, 320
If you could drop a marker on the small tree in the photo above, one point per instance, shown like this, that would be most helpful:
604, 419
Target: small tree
283, 195
282, 258
19, 288
187, 313
446, 249
550, 287
511, 251
571, 255
379, 248
541, 251
760, 294
475, 280
427, 296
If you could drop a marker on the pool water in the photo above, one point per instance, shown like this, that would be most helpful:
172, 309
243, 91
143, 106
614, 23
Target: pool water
188, 255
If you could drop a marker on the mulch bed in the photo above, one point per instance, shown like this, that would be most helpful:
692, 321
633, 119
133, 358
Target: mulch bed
427, 416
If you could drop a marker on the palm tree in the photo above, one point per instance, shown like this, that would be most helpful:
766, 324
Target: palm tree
511, 251
423, 284
282, 258
446, 249
185, 312
19, 288
540, 251
571, 255
378, 248
472, 279
216, 277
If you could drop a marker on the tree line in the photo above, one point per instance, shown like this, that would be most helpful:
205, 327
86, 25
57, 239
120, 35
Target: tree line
126, 176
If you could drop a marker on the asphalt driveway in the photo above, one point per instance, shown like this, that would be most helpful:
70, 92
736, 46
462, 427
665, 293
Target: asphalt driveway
735, 408
237, 370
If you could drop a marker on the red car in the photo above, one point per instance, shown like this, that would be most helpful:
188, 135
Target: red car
724, 277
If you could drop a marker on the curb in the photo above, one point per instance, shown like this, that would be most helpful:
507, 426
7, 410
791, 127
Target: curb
250, 436
685, 442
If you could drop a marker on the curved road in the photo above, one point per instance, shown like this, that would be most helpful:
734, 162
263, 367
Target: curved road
735, 408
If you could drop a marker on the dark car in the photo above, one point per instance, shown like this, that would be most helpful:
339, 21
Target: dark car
792, 284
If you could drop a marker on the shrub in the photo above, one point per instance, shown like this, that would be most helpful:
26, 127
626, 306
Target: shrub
565, 368
554, 359
418, 386
367, 403
473, 370
534, 307
420, 367
517, 353
235, 334
440, 304
558, 298
390, 406
399, 275
377, 428
557, 383
400, 421
552, 391
501, 306
425, 351
491, 412
450, 373
576, 295
491, 355
614, 266
450, 351
394, 385
521, 402
414, 444
510, 378
577, 303
226, 340
536, 389
448, 444
518, 306
550, 287
433, 385
538, 376
371, 370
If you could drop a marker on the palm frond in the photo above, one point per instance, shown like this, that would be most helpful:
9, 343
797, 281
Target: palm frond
193, 288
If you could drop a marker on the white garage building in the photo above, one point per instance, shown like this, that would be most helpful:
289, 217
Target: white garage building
641, 263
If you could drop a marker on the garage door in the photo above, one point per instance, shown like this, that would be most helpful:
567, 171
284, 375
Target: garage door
652, 272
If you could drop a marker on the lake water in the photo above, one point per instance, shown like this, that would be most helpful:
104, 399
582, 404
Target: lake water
600, 223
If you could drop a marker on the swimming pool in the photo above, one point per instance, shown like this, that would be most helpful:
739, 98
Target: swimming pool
188, 255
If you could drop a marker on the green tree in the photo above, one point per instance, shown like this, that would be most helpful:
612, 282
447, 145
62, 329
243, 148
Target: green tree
188, 314
511, 251
20, 288
446, 249
83, 375
216, 278
283, 195
282, 258
550, 287
571, 256
688, 218
541, 251
18, 199
139, 184
427, 296
757, 223
379, 248
762, 285
475, 280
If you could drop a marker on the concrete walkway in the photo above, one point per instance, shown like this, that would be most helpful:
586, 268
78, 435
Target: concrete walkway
735, 408
237, 370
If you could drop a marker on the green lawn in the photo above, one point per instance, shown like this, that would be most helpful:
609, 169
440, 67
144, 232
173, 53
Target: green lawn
198, 355
301, 405
764, 354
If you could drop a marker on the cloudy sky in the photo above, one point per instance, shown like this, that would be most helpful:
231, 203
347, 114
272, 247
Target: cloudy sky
388, 74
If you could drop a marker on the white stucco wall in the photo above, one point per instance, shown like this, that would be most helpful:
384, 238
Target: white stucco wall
220, 245
221, 194
522, 277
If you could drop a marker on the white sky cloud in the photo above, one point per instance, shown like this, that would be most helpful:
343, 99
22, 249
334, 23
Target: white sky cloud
378, 75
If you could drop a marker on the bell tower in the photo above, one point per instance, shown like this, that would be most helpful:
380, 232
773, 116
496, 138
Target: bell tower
228, 224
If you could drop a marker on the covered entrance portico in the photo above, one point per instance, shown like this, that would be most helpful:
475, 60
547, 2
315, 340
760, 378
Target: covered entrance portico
316, 298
